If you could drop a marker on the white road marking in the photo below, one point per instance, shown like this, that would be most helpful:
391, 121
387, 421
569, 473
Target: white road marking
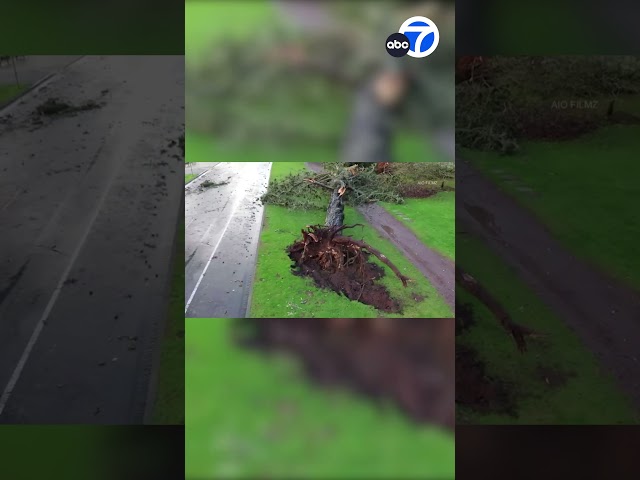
246, 179
196, 178
15, 376
215, 249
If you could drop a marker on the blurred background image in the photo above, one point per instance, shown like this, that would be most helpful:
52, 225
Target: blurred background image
319, 398
547, 160
285, 80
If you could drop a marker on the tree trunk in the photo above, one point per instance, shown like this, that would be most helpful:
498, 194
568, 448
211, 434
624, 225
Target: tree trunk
369, 133
471, 285
335, 210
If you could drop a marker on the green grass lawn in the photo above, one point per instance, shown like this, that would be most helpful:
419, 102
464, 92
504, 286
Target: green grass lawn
558, 18
201, 148
169, 405
9, 92
583, 190
431, 219
206, 22
253, 416
278, 293
589, 396
189, 176
414, 147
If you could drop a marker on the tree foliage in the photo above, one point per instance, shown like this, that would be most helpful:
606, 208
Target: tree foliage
285, 86
505, 99
307, 190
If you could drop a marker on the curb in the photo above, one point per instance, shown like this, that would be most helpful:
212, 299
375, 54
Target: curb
194, 179
156, 355
253, 275
37, 85
213, 164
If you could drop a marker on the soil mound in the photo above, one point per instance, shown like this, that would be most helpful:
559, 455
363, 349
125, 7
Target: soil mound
552, 125
422, 191
341, 264
408, 362
478, 391
474, 388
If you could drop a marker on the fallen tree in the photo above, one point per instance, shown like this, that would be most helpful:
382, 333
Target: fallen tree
334, 260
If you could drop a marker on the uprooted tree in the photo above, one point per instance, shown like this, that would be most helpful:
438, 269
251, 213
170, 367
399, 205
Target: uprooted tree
324, 253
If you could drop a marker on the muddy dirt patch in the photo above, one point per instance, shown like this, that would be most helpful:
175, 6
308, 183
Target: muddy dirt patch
341, 264
545, 123
407, 362
464, 317
417, 190
474, 388
209, 184
553, 377
55, 107
478, 391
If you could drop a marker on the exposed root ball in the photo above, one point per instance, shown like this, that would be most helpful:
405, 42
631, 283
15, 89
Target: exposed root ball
408, 362
341, 264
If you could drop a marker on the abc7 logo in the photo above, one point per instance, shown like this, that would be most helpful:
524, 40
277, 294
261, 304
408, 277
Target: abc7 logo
398, 45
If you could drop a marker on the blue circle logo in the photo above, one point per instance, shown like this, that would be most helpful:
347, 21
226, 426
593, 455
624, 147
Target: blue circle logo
423, 36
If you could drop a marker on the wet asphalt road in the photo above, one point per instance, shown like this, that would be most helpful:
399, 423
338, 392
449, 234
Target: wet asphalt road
223, 225
89, 206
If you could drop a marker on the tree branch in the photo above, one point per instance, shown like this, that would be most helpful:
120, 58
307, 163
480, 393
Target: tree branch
315, 182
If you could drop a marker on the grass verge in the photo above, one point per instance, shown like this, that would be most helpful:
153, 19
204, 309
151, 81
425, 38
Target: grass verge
169, 403
586, 394
573, 187
9, 92
254, 417
431, 219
